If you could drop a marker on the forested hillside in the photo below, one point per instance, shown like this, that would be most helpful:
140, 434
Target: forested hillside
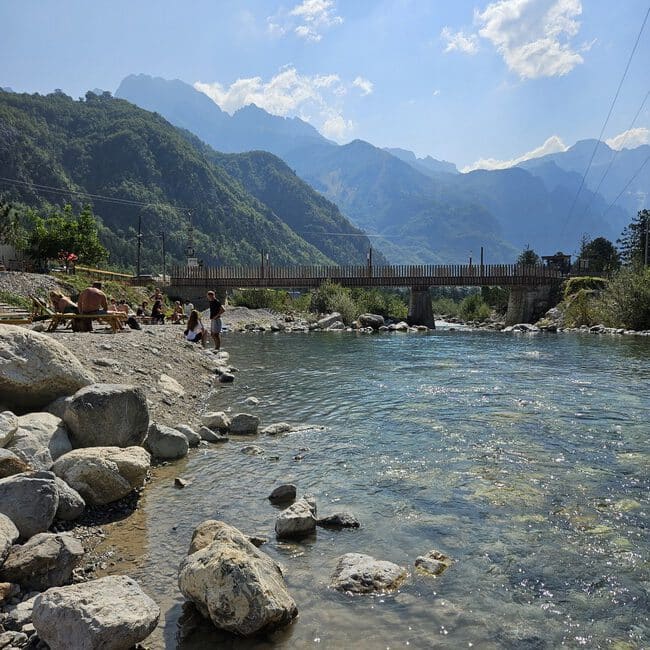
152, 172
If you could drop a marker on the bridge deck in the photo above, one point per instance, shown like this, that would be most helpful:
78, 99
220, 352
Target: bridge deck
303, 277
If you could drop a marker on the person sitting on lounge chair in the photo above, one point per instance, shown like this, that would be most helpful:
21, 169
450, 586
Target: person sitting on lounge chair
62, 304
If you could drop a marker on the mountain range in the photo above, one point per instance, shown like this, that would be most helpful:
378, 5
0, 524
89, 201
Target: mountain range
418, 210
135, 166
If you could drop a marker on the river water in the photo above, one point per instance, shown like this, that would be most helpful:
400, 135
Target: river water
524, 458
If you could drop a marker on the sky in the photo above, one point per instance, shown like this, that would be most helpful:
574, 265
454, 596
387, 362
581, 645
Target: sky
478, 83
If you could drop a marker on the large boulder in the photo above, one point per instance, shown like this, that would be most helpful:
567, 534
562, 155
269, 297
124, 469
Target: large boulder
40, 439
298, 520
35, 369
329, 320
193, 438
45, 560
216, 420
371, 320
71, 503
107, 415
111, 613
234, 584
30, 501
244, 424
8, 426
362, 574
8, 536
11, 464
103, 474
166, 443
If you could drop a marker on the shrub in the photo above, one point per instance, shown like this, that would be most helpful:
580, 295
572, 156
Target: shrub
474, 308
445, 307
626, 301
582, 308
276, 300
575, 285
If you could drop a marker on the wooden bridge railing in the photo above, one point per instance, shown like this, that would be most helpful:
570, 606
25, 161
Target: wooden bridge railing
422, 275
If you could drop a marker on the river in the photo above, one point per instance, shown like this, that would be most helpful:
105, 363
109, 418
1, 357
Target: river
523, 457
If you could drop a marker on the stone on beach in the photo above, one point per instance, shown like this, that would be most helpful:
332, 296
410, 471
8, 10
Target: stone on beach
282, 493
107, 415
216, 420
339, 520
19, 615
166, 443
40, 439
103, 474
298, 520
45, 560
8, 536
434, 562
362, 574
244, 424
7, 591
275, 429
328, 321
170, 385
35, 369
71, 503
371, 320
112, 613
30, 501
8, 426
211, 436
234, 584
193, 438
11, 464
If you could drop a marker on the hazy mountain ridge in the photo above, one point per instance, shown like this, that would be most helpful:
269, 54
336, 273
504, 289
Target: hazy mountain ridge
109, 147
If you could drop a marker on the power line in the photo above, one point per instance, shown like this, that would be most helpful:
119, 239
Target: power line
613, 158
611, 108
638, 171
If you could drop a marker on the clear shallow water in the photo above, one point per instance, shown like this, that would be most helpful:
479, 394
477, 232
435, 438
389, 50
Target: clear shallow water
525, 458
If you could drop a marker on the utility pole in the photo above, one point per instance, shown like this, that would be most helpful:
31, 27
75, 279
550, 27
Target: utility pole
164, 267
139, 241
647, 226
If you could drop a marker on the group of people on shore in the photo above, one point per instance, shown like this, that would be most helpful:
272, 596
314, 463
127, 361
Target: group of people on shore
93, 301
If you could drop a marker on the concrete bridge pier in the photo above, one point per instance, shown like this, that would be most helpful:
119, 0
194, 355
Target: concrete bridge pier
527, 304
420, 310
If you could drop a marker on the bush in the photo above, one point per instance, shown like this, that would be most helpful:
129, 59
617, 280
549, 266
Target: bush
575, 285
445, 307
626, 301
276, 300
582, 308
474, 308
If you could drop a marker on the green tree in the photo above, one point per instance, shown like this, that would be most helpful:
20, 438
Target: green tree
632, 242
529, 257
600, 254
63, 230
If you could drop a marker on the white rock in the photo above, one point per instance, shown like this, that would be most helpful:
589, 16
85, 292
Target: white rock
35, 369
193, 438
275, 429
40, 439
8, 536
106, 415
362, 574
327, 321
8, 426
234, 584
170, 385
103, 474
297, 521
166, 443
45, 560
30, 501
217, 420
244, 424
110, 613
71, 503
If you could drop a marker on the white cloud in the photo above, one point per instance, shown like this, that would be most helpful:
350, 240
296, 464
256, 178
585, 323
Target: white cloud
553, 144
307, 20
467, 43
630, 139
316, 99
436, 92
533, 36
364, 85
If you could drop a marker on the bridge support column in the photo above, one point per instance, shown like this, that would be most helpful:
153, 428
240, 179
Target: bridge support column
527, 304
420, 310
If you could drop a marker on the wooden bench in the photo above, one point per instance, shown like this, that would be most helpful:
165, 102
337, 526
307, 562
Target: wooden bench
115, 319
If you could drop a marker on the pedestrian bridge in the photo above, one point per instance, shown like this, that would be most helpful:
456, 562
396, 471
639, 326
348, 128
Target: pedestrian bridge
530, 285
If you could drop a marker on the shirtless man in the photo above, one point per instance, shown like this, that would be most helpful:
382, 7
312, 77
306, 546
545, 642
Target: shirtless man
216, 309
93, 300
